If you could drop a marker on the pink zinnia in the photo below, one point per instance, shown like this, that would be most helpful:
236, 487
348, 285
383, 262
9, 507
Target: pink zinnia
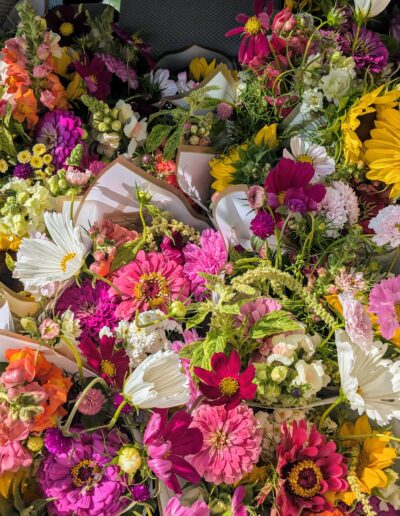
175, 508
210, 257
150, 282
384, 301
308, 467
168, 443
232, 443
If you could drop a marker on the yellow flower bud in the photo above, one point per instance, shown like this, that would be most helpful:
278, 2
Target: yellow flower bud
129, 460
35, 443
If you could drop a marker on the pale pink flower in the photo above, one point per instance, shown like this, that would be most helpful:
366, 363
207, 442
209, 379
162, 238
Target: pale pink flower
253, 311
13, 456
77, 178
384, 301
349, 199
350, 282
40, 71
357, 322
14, 377
48, 99
231, 443
49, 329
256, 196
92, 403
386, 226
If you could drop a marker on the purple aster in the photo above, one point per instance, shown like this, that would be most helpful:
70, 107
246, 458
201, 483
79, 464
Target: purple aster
83, 481
60, 131
23, 171
121, 70
92, 306
55, 442
369, 52
263, 225
140, 493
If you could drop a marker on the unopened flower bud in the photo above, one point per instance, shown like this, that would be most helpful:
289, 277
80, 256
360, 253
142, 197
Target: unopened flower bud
194, 140
116, 125
29, 325
35, 443
279, 373
129, 460
177, 309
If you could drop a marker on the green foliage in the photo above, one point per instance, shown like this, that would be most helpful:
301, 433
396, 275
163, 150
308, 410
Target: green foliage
126, 253
273, 324
200, 352
201, 310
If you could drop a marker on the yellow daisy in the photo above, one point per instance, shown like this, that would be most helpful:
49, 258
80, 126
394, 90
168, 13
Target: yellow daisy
382, 150
39, 149
36, 162
368, 103
199, 68
374, 456
3, 166
24, 156
47, 159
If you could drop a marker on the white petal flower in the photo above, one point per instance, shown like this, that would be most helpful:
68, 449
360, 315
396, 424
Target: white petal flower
313, 375
370, 8
158, 382
370, 383
316, 155
167, 86
41, 262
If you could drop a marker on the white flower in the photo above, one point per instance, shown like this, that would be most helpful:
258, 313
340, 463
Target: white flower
370, 8
40, 262
316, 155
357, 322
386, 225
337, 83
312, 375
312, 71
125, 111
340, 207
313, 101
158, 382
284, 347
167, 87
184, 84
136, 131
370, 383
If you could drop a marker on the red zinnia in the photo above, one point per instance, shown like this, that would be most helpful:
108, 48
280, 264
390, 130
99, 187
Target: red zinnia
110, 364
225, 384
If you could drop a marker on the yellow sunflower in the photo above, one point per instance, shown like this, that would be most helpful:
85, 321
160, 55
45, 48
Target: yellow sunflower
223, 167
374, 457
199, 69
368, 103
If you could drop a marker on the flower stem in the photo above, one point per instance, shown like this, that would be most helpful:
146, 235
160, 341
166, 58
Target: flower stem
77, 357
329, 410
396, 255
368, 436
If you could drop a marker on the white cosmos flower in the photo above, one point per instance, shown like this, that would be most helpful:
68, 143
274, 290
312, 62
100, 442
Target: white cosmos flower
158, 382
167, 86
316, 155
41, 262
370, 383
370, 8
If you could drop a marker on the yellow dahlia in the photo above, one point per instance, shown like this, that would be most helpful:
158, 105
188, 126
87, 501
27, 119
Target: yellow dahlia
368, 103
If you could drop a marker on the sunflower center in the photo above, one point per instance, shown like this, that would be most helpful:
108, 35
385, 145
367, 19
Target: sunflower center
108, 368
305, 479
397, 310
229, 386
66, 29
253, 26
68, 257
151, 288
305, 158
362, 463
85, 473
219, 440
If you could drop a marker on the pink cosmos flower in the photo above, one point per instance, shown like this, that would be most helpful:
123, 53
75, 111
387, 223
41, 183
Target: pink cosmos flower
384, 301
175, 508
150, 282
308, 467
357, 322
210, 257
168, 443
225, 384
231, 443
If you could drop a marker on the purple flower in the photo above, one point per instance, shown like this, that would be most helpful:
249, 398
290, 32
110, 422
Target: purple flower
60, 131
375, 503
140, 492
175, 508
23, 171
96, 76
121, 70
172, 247
118, 399
209, 257
263, 225
369, 52
82, 481
92, 306
55, 442
394, 29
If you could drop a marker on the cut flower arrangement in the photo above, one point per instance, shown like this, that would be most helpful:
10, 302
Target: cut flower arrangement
251, 367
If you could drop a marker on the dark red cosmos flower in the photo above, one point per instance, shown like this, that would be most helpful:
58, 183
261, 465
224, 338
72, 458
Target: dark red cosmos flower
96, 76
225, 384
110, 364
288, 184
68, 22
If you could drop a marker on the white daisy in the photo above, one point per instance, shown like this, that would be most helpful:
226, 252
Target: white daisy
370, 383
312, 153
41, 262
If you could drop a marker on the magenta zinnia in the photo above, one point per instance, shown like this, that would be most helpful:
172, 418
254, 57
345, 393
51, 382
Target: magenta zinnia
225, 384
150, 282
168, 443
308, 467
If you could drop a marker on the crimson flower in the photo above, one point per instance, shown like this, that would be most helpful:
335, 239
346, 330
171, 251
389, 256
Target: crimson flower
96, 76
225, 384
288, 183
168, 443
110, 364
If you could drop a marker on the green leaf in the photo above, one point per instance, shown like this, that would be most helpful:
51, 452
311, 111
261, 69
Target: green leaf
126, 253
215, 343
173, 143
272, 324
231, 309
198, 317
157, 136
189, 350
10, 262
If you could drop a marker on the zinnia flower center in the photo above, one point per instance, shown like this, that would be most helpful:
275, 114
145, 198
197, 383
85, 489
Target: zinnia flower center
66, 29
362, 463
305, 479
229, 386
397, 310
305, 158
218, 439
151, 288
85, 473
68, 257
253, 26
108, 368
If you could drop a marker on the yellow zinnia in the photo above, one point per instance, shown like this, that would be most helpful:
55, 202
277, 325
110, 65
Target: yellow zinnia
374, 457
368, 103
382, 150
39, 149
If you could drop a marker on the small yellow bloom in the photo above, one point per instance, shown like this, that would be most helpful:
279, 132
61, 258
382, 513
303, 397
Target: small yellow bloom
75, 88
36, 162
35, 443
267, 136
3, 166
199, 68
39, 149
24, 156
47, 159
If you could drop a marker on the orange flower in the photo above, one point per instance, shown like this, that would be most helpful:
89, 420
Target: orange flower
26, 107
17, 77
53, 93
49, 376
